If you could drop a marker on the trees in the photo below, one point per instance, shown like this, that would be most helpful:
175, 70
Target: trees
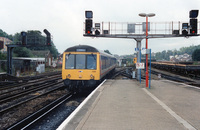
189, 50
2, 56
196, 55
22, 52
164, 55
4, 34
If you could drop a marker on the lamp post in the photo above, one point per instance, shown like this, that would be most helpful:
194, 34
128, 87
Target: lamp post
147, 15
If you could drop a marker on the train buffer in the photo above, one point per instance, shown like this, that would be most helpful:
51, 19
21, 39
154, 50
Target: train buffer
128, 105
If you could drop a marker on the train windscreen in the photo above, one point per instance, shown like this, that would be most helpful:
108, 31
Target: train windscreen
91, 61
80, 61
69, 61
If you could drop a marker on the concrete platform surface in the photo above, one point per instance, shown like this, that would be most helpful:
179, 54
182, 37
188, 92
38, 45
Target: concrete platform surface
127, 105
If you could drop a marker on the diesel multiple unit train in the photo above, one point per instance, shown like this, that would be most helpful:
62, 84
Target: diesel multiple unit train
84, 66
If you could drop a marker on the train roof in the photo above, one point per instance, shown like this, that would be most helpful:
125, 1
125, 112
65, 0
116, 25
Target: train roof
82, 48
86, 48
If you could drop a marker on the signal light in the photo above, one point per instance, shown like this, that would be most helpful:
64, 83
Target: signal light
88, 26
48, 38
97, 32
194, 13
193, 25
88, 14
185, 33
24, 38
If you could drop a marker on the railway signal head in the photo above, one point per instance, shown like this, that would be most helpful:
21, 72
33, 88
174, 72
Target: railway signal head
88, 26
194, 13
193, 26
24, 38
88, 14
48, 38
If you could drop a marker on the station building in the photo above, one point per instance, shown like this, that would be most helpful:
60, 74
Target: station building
3, 42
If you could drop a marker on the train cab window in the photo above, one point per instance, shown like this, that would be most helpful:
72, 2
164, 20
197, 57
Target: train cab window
80, 61
91, 61
69, 58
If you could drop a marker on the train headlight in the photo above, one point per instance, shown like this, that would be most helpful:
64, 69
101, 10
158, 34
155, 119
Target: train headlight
68, 76
91, 76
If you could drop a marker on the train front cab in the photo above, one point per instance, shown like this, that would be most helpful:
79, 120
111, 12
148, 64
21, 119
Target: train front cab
80, 69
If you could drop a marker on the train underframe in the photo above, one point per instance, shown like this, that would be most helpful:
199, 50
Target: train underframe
80, 85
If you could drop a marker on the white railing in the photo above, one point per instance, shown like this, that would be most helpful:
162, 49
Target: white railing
163, 28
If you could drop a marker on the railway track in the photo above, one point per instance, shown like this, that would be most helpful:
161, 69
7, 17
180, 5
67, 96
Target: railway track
29, 79
54, 118
19, 101
184, 69
16, 104
176, 77
13, 95
28, 120
126, 71
170, 77
38, 115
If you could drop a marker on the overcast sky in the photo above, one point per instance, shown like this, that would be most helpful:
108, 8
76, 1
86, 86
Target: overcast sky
64, 19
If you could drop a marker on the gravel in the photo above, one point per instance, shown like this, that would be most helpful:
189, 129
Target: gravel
52, 120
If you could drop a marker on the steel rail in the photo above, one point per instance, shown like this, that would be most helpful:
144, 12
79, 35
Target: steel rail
32, 98
20, 94
27, 85
23, 124
39, 78
174, 78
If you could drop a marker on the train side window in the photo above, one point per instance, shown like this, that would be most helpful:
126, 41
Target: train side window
91, 61
107, 62
103, 62
112, 61
69, 61
80, 61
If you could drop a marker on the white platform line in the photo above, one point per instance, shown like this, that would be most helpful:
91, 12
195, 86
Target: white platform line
65, 123
177, 117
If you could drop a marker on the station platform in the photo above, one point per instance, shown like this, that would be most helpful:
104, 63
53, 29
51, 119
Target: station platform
129, 105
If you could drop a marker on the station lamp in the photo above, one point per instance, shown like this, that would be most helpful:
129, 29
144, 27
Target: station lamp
147, 15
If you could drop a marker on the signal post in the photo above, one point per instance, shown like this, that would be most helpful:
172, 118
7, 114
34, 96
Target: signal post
24, 43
